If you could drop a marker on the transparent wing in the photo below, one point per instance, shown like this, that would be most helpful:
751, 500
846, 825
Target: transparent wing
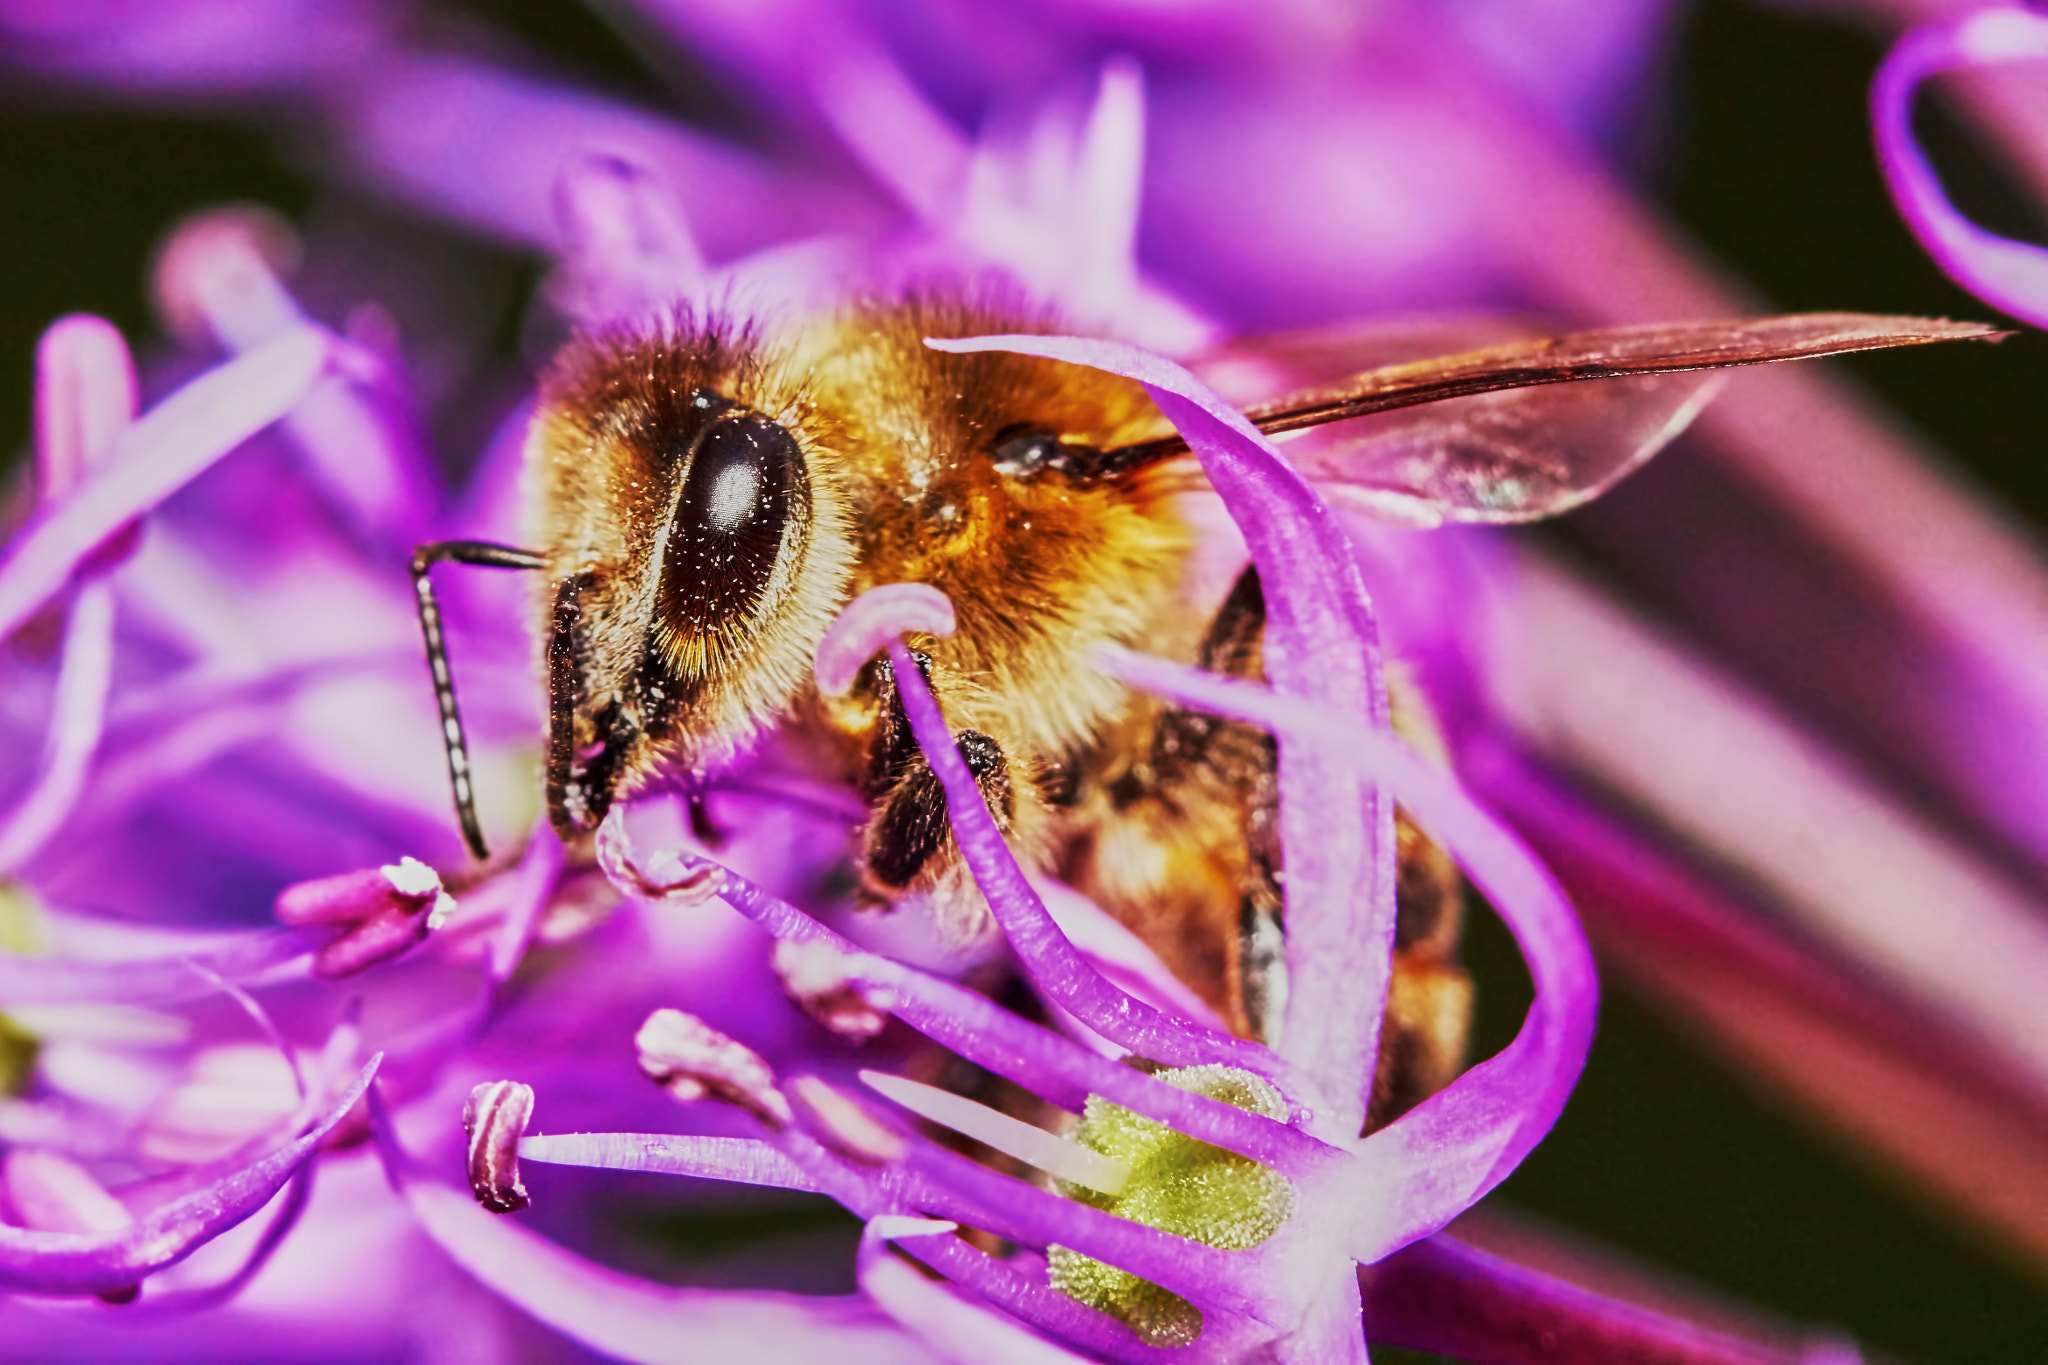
1513, 456
1513, 430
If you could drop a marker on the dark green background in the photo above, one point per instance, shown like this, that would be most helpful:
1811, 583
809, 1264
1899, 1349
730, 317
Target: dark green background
1663, 1152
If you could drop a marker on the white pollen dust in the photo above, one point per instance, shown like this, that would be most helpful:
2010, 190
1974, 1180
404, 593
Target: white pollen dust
732, 496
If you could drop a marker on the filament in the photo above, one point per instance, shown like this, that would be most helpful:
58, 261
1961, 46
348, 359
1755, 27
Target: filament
1068, 1161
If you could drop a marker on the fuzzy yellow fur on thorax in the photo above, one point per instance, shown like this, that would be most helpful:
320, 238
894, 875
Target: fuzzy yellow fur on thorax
1039, 572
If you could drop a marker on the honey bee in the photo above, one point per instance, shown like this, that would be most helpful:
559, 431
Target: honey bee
705, 496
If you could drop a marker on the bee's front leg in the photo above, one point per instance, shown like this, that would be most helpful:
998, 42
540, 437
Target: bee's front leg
912, 826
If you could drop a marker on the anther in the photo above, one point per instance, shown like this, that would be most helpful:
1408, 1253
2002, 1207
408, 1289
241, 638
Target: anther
668, 876
693, 1061
384, 911
814, 975
843, 1124
494, 1119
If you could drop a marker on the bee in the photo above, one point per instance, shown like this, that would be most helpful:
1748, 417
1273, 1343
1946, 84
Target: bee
705, 496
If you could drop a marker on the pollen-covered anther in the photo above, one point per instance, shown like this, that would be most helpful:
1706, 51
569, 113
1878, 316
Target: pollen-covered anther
814, 975
843, 1124
49, 1192
693, 1061
494, 1119
1177, 1184
669, 876
384, 912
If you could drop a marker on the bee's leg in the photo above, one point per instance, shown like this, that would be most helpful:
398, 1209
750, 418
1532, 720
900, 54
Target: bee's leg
893, 751
1429, 999
481, 554
912, 825
1246, 761
1262, 964
579, 783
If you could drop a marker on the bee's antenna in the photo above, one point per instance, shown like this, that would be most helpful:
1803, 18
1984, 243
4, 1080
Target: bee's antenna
481, 554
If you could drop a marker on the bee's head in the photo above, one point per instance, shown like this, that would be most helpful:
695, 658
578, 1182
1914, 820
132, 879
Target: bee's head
698, 547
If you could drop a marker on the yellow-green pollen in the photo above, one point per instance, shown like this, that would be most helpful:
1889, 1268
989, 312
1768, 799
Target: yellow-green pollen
21, 931
1178, 1185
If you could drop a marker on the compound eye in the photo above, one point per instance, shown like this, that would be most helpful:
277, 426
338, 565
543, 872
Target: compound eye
743, 497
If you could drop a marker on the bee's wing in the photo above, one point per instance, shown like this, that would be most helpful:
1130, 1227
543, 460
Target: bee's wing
1501, 441
1517, 455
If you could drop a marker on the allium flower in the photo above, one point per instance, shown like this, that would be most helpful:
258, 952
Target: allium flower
2009, 274
236, 901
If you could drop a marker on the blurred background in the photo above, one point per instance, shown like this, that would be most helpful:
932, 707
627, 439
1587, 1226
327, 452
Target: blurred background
1743, 123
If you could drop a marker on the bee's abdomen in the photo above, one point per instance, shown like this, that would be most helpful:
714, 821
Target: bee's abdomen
1179, 839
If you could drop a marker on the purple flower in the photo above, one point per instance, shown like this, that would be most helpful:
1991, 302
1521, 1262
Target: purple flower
2007, 274
224, 913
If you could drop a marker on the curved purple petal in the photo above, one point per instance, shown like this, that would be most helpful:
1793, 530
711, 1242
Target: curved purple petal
1060, 970
169, 446
1445, 1297
76, 722
1440, 1158
1035, 1302
92, 1263
978, 1028
1322, 643
298, 1194
85, 399
1120, 955
1236, 1281
955, 1326
26, 980
1051, 1066
628, 250
533, 881
869, 622
630, 1318
2008, 274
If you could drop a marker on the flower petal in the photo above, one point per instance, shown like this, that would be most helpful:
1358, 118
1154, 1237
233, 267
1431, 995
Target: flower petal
90, 1263
1067, 978
27, 980
172, 444
2009, 274
76, 722
1441, 1157
1322, 642
85, 400
533, 882
629, 1318
956, 1327
1060, 1071
629, 250
1445, 1297
983, 1031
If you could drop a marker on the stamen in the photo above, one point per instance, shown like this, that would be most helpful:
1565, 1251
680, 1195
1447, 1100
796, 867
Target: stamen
1033, 1146
870, 622
814, 976
494, 1120
842, 1124
383, 913
693, 1061
52, 1193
